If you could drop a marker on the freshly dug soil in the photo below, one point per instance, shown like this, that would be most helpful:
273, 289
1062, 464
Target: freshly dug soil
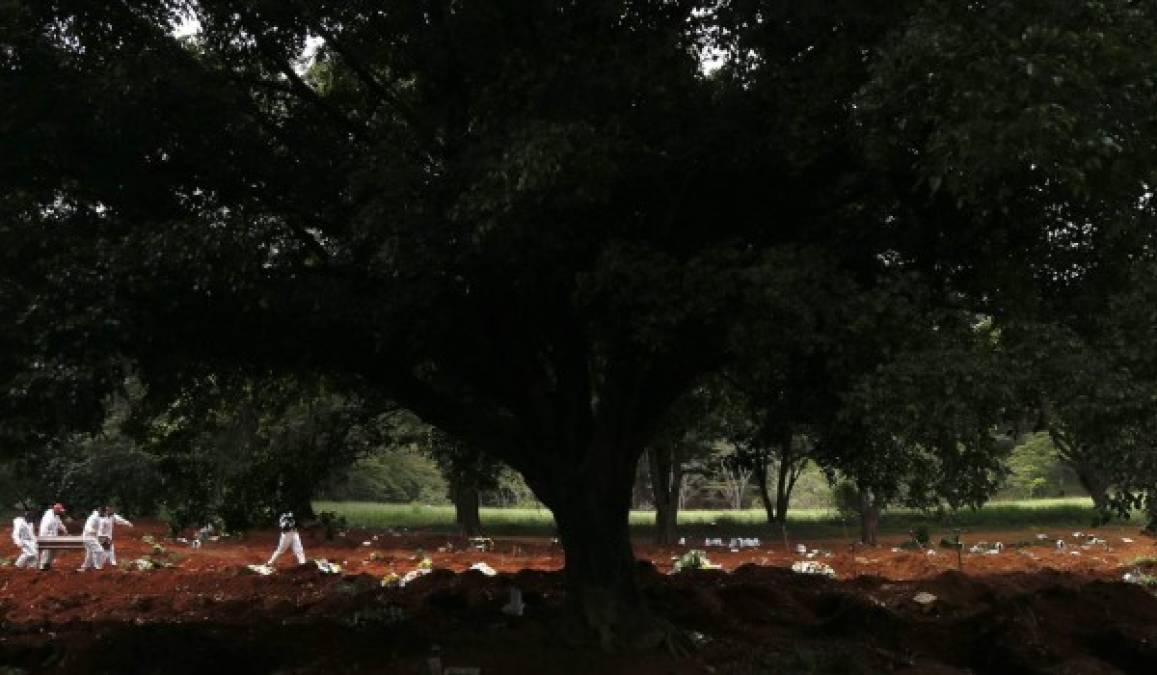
1026, 610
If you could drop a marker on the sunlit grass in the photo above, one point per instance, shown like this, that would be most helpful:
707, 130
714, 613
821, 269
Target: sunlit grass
1072, 511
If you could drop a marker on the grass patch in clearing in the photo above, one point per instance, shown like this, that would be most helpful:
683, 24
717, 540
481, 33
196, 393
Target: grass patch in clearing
814, 522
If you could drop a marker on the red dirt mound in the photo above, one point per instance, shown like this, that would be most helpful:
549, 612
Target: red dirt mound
1005, 613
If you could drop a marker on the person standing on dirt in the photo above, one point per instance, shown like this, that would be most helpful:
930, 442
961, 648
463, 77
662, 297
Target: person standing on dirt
104, 533
25, 539
289, 539
93, 553
51, 526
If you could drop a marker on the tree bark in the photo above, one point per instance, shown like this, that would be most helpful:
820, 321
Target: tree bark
591, 509
1093, 483
795, 472
869, 517
1088, 475
666, 484
466, 509
761, 468
782, 490
786, 473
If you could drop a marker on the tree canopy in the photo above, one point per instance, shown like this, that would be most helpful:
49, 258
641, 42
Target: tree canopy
534, 224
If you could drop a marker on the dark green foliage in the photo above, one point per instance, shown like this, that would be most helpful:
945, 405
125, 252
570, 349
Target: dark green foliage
246, 451
930, 417
88, 471
396, 474
535, 225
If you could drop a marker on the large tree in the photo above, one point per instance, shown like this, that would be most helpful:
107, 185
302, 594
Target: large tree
526, 222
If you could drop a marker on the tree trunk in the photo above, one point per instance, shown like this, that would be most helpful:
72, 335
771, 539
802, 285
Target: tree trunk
761, 468
736, 479
1151, 515
1093, 483
869, 517
466, 508
666, 484
591, 508
782, 490
786, 476
642, 490
796, 471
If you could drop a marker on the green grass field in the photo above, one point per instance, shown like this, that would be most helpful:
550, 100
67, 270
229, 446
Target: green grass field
1074, 511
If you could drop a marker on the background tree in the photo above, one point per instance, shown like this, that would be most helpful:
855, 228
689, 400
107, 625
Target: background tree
682, 445
244, 451
468, 473
783, 378
86, 470
924, 429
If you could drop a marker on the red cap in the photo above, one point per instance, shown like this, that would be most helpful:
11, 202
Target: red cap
58, 507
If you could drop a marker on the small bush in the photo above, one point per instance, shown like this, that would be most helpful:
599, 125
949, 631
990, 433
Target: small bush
693, 560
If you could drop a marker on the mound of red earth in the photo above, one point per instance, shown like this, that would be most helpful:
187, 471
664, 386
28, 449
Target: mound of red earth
752, 620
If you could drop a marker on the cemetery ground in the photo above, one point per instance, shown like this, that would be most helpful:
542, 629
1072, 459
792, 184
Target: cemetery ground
1029, 608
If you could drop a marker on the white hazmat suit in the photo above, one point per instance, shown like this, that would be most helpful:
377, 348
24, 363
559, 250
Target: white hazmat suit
93, 553
289, 539
50, 526
104, 533
25, 539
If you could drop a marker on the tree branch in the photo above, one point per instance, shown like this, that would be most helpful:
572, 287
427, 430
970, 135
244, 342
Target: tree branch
382, 91
297, 85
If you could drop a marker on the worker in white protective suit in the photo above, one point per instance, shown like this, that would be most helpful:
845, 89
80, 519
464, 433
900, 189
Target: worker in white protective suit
24, 536
93, 553
289, 539
51, 526
104, 534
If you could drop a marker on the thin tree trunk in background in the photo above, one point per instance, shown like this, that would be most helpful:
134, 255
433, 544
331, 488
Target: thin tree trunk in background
869, 517
782, 489
736, 479
762, 466
466, 509
666, 485
796, 470
642, 490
